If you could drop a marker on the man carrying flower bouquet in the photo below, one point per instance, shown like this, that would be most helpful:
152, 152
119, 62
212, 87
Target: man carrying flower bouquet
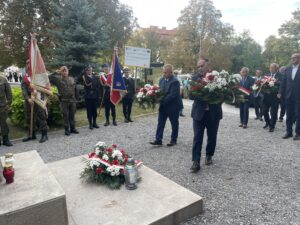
271, 101
169, 107
205, 116
246, 83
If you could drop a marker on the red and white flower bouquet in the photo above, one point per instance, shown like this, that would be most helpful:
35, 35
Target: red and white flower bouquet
149, 96
266, 85
105, 165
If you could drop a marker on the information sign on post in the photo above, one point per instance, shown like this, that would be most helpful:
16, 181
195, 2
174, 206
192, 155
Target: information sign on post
139, 57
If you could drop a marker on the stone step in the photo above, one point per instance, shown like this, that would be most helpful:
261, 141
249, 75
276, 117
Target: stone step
157, 201
35, 198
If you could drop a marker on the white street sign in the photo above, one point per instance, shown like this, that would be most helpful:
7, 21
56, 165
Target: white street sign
137, 56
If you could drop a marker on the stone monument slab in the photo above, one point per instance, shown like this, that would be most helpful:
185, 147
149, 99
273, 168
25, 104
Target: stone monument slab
35, 198
157, 201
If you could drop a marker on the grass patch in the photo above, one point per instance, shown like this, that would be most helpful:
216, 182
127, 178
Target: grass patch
81, 119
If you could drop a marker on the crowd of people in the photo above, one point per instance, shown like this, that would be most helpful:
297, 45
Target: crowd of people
267, 104
97, 94
205, 115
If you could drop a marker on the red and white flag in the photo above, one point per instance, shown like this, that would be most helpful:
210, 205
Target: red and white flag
39, 83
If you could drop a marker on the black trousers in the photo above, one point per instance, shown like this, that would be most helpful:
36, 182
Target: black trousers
282, 108
127, 105
258, 106
292, 115
271, 105
91, 109
109, 106
212, 127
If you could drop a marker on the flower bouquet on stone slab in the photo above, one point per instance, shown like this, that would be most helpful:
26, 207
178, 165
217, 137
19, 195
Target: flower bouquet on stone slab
105, 165
266, 85
149, 96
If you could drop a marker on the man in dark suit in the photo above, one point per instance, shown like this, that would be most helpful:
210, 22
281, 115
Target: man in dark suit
290, 90
257, 98
169, 107
128, 98
282, 100
246, 83
271, 101
204, 116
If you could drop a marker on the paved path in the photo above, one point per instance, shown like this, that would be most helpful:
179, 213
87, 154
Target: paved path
254, 179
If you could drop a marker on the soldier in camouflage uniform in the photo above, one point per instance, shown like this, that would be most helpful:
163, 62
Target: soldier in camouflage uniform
39, 114
68, 96
5, 102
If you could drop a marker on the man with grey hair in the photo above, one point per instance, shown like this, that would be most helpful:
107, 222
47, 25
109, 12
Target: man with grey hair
246, 82
290, 91
271, 101
169, 107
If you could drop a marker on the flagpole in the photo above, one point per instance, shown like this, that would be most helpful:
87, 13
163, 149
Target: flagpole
31, 120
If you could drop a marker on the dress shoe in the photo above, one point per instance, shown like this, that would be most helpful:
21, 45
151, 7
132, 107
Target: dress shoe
44, 136
286, 136
6, 141
106, 123
172, 143
95, 125
67, 132
91, 126
241, 125
126, 120
130, 120
115, 123
261, 119
266, 126
74, 131
271, 130
280, 120
297, 137
195, 167
244, 126
208, 160
156, 143
181, 115
256, 118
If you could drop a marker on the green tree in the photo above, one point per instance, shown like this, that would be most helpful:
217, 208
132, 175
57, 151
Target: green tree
79, 35
149, 38
201, 33
19, 18
246, 52
291, 30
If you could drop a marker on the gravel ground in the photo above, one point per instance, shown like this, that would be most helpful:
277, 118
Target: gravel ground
254, 178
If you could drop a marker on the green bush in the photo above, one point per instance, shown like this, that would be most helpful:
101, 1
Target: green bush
17, 114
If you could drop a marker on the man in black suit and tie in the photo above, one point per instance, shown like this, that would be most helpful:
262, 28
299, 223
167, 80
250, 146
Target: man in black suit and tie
169, 107
290, 90
205, 116
271, 101
246, 83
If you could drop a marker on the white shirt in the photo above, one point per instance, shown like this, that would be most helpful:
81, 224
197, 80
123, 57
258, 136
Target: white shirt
294, 71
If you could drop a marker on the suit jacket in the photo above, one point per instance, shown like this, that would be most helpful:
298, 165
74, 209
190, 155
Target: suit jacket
273, 96
130, 87
91, 87
290, 88
171, 102
247, 84
200, 107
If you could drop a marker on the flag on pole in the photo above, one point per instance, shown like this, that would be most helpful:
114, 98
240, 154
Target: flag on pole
116, 81
39, 81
